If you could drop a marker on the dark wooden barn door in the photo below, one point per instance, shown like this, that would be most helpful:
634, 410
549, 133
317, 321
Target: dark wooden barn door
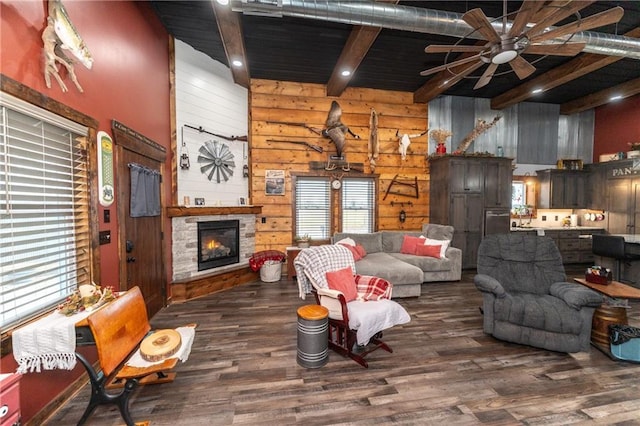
140, 238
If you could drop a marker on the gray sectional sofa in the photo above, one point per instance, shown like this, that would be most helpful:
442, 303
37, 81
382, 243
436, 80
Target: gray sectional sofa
406, 272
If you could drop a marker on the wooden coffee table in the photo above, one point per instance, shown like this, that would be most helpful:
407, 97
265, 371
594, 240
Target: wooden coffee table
605, 314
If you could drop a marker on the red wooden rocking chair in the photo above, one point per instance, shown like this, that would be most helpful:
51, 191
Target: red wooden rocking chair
355, 328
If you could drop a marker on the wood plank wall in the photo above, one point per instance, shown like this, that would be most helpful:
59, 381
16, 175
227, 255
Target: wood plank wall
308, 103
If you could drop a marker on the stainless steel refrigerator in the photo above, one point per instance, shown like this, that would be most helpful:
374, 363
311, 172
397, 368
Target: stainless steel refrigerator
496, 221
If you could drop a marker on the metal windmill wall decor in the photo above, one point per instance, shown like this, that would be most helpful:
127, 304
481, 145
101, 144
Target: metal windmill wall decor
217, 160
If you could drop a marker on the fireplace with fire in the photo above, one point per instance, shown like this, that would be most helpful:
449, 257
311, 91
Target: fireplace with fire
218, 243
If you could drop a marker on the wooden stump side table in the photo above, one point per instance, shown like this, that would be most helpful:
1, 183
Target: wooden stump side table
606, 315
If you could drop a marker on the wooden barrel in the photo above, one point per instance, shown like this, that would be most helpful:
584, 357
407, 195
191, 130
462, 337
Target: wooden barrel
602, 318
313, 336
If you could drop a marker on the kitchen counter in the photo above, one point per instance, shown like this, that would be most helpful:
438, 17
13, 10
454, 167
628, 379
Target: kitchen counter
557, 228
574, 242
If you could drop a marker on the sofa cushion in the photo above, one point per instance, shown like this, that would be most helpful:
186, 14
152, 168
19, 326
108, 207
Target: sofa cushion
428, 250
354, 251
426, 264
437, 232
392, 240
444, 244
344, 281
410, 243
384, 265
371, 242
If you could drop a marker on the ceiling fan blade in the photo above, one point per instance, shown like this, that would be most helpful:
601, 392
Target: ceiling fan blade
486, 76
528, 9
607, 17
560, 13
479, 22
521, 67
567, 49
444, 48
450, 65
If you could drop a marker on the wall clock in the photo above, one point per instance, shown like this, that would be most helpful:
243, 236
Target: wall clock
336, 184
217, 160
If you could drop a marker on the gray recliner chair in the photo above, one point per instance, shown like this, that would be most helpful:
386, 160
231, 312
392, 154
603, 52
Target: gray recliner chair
526, 298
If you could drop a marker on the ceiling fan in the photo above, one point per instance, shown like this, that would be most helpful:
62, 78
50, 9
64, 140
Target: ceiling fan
508, 45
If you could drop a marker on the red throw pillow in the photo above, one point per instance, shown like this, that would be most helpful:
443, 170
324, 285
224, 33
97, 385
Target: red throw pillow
409, 244
361, 251
427, 250
353, 250
343, 281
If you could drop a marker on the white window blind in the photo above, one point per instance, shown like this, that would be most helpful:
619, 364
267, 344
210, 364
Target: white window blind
44, 211
358, 205
313, 208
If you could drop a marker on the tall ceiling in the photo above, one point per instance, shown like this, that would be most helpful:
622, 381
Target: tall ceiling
311, 50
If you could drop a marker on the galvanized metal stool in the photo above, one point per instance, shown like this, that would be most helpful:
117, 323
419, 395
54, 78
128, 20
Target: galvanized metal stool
313, 336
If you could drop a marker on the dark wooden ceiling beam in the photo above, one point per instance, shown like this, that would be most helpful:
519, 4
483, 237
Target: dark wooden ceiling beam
624, 90
355, 49
233, 41
443, 80
581, 65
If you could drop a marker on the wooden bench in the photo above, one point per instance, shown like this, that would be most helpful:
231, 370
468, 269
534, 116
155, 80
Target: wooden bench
117, 329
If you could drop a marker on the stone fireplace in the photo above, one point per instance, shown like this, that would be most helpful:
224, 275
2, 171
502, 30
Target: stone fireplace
187, 248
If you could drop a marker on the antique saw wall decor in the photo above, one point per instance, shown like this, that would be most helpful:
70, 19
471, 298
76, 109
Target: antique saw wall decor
59, 36
217, 160
528, 33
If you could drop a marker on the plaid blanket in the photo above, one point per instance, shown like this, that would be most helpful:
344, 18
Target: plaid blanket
317, 261
257, 259
372, 288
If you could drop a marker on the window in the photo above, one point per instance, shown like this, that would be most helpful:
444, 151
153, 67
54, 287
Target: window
316, 203
523, 197
358, 201
44, 210
313, 208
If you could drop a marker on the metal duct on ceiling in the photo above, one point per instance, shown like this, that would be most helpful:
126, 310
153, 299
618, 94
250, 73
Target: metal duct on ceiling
408, 18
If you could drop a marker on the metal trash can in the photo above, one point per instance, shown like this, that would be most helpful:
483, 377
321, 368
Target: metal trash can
313, 336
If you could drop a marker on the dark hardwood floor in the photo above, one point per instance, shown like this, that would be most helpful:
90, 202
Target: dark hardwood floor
444, 371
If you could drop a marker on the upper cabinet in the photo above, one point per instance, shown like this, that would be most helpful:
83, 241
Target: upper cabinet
562, 189
497, 194
468, 176
597, 184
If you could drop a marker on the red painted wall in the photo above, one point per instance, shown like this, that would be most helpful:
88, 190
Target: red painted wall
616, 125
129, 82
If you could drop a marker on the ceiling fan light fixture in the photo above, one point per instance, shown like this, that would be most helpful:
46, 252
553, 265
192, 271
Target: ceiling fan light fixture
504, 57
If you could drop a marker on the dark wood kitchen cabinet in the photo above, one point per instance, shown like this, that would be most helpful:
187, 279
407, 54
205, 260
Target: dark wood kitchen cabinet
462, 191
496, 193
623, 205
562, 189
597, 187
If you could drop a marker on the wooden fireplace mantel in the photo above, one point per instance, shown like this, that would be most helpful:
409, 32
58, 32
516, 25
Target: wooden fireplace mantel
180, 211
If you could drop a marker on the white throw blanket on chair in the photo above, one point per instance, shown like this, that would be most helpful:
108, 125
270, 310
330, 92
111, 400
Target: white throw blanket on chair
367, 318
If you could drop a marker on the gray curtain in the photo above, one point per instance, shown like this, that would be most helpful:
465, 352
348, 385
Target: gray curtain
145, 191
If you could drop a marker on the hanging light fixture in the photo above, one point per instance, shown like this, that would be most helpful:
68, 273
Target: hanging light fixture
184, 154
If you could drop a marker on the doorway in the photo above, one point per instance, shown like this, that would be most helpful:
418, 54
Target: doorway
140, 242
